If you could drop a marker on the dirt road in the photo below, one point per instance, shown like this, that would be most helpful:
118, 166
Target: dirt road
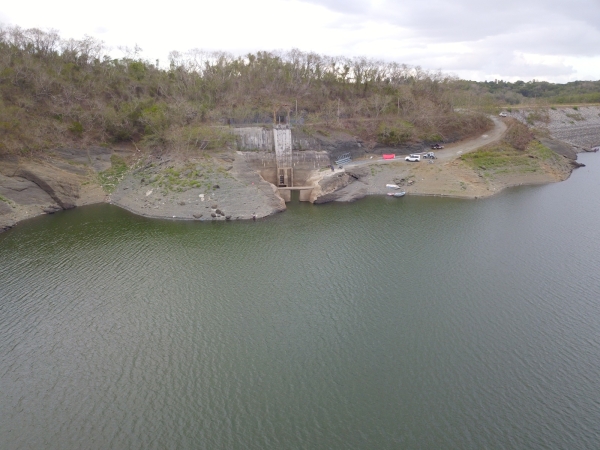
444, 176
451, 151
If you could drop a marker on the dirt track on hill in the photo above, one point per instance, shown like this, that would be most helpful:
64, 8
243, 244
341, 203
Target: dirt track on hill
447, 175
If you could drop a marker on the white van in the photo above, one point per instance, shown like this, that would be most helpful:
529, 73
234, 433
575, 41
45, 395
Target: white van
413, 158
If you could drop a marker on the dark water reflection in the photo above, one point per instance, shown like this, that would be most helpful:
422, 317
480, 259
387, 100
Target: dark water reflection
388, 323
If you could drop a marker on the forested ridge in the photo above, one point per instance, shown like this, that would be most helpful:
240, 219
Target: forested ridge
537, 92
57, 92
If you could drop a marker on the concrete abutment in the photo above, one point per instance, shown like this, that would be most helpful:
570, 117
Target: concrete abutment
276, 161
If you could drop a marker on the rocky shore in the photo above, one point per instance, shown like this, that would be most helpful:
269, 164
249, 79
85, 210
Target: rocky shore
578, 126
229, 185
230, 190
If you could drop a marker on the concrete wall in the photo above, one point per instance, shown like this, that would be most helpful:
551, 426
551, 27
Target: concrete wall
303, 163
260, 138
282, 139
305, 195
254, 138
286, 195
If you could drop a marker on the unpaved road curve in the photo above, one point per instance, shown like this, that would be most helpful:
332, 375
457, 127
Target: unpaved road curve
457, 149
451, 151
438, 177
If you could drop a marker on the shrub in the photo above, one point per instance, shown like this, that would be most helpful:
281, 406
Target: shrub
518, 135
539, 115
201, 138
394, 134
76, 128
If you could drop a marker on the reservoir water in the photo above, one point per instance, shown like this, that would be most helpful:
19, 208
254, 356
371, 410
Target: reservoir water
388, 323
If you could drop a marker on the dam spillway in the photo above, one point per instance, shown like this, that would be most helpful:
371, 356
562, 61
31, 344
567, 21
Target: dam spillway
281, 158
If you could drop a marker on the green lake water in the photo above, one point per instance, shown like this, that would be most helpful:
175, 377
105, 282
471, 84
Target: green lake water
422, 323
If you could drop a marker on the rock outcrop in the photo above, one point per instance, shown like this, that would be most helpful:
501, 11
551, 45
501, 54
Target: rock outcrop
347, 186
30, 186
60, 185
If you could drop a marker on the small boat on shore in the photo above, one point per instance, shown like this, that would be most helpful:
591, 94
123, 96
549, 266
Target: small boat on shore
392, 186
396, 194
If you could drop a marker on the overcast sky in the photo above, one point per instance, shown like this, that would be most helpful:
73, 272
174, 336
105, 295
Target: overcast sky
553, 40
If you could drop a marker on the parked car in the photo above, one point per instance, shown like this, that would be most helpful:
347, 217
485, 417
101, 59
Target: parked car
503, 114
413, 158
429, 155
437, 146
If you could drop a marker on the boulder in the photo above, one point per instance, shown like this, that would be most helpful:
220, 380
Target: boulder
52, 209
358, 173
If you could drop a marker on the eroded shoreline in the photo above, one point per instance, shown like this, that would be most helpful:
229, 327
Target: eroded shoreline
236, 191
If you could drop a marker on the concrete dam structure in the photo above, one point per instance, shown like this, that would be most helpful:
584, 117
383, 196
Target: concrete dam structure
277, 160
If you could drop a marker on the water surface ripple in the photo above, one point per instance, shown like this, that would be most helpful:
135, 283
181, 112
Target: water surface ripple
388, 323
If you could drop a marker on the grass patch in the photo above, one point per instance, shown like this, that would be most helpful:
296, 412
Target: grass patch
5, 200
498, 159
575, 116
203, 176
375, 169
492, 157
110, 178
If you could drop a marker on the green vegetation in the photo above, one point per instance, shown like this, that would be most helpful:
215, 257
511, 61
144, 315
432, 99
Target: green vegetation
490, 158
73, 92
503, 158
375, 169
5, 200
518, 152
575, 116
538, 115
56, 92
534, 92
395, 133
204, 175
110, 178
518, 135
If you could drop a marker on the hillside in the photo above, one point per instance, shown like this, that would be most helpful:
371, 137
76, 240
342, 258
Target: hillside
59, 93
79, 127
